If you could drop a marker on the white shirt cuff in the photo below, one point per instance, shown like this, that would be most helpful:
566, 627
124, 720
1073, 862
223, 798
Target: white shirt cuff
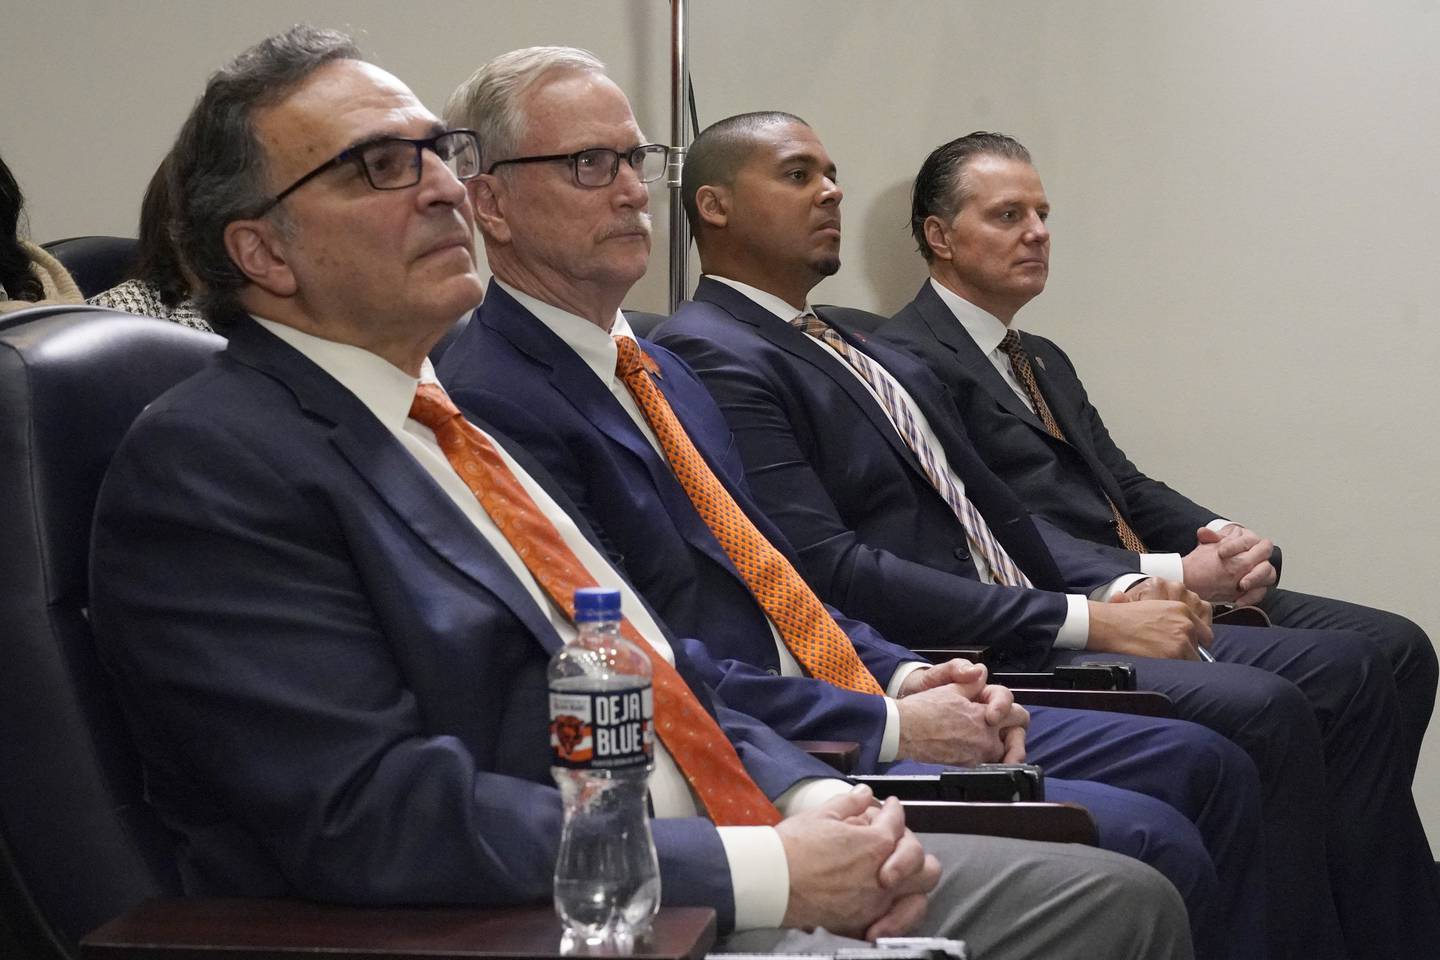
759, 875
1120, 584
1219, 524
890, 743
1166, 566
1075, 630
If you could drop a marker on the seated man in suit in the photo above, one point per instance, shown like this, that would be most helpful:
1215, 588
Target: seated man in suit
854, 450
1034, 425
344, 697
648, 459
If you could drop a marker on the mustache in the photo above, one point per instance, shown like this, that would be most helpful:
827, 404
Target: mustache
634, 223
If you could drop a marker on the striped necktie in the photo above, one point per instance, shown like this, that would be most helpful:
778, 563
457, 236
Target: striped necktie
809, 632
1020, 363
700, 748
977, 531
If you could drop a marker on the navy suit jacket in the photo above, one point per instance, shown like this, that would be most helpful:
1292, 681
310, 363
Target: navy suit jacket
1065, 481
515, 373
337, 686
872, 534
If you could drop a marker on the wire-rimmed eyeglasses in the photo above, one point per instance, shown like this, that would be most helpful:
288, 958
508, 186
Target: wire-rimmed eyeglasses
598, 166
393, 163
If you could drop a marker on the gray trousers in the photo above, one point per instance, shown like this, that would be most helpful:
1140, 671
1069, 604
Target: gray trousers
1014, 899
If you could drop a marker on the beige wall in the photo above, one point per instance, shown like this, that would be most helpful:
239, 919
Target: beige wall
1244, 208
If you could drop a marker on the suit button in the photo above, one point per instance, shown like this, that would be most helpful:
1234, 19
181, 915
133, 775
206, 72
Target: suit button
961, 553
772, 671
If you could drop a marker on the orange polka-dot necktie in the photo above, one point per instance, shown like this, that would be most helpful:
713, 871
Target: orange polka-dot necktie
1011, 346
806, 627
700, 748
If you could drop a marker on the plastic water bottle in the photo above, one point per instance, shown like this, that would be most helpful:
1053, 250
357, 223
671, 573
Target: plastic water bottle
602, 738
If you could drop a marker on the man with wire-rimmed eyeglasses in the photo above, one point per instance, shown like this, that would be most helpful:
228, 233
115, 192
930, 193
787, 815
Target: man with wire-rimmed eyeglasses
550, 361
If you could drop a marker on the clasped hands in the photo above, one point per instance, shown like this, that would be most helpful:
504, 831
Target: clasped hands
949, 714
1232, 566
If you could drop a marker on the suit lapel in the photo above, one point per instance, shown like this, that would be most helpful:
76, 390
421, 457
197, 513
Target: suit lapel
591, 399
948, 331
822, 359
388, 469
1063, 409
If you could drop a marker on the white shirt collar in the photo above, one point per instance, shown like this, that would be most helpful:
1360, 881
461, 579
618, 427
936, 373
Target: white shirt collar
594, 345
984, 327
769, 301
385, 389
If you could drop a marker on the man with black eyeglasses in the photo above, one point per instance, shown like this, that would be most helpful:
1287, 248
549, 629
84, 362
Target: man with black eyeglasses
330, 634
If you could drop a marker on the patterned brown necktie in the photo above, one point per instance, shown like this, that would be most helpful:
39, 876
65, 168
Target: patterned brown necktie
1020, 364
810, 633
700, 748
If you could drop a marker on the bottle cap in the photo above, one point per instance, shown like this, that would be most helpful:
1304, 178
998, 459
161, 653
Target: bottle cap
596, 603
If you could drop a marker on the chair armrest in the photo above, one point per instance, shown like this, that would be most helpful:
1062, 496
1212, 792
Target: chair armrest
182, 929
840, 754
1055, 822
941, 654
1145, 703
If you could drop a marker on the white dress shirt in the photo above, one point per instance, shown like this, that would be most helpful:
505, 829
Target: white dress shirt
596, 348
987, 331
758, 868
1075, 628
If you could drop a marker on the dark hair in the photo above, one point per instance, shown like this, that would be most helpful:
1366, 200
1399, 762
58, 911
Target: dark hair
940, 189
156, 262
16, 277
218, 166
719, 152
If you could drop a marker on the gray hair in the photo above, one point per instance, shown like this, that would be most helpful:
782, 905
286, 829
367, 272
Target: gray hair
940, 189
218, 171
490, 101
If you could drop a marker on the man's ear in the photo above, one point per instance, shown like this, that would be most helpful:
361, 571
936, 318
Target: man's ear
487, 193
254, 247
938, 238
713, 204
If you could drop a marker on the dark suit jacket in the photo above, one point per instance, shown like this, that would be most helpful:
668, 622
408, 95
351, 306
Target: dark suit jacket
337, 685
516, 374
1065, 481
873, 536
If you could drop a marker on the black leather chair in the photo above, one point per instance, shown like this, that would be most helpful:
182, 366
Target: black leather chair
96, 263
853, 317
77, 843
643, 323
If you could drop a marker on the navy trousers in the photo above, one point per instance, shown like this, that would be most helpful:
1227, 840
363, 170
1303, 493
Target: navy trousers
1348, 869
1147, 781
1404, 644
1173, 795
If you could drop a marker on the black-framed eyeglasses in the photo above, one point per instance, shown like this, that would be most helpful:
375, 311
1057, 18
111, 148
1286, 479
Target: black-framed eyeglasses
393, 163
597, 166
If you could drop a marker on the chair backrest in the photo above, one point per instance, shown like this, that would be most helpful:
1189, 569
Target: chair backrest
642, 323
852, 317
96, 263
77, 843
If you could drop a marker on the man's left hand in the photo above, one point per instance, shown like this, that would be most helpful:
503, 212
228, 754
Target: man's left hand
1229, 567
1001, 710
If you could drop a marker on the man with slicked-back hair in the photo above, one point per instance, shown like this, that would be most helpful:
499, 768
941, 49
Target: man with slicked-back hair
857, 453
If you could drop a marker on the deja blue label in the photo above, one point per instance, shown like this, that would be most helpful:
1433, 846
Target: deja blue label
602, 729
